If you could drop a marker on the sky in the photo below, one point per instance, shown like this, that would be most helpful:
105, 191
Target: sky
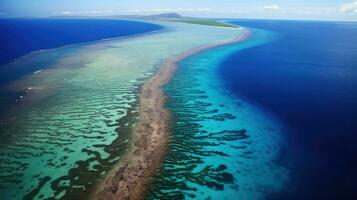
345, 10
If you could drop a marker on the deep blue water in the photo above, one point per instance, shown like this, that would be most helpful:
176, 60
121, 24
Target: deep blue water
21, 36
308, 79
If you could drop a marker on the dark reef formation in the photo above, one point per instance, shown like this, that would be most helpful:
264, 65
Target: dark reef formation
189, 140
49, 143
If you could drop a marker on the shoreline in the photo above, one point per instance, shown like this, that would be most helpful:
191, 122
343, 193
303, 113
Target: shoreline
128, 180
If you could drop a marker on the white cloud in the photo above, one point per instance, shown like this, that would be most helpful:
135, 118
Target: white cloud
91, 12
268, 8
272, 7
66, 13
349, 7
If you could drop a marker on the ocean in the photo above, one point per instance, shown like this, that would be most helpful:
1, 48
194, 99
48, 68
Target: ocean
21, 36
273, 117
67, 122
307, 78
221, 147
30, 37
56, 120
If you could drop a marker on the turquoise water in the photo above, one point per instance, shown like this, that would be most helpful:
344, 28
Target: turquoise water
222, 147
61, 135
70, 119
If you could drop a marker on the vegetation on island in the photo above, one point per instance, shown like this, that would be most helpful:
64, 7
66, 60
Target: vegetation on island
206, 22
174, 17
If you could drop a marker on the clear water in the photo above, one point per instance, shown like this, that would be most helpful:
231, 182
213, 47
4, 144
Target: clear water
66, 125
19, 37
308, 79
222, 147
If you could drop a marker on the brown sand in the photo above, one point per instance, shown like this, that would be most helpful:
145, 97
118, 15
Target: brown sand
128, 180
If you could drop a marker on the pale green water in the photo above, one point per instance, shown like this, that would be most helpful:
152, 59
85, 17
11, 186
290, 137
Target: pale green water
70, 126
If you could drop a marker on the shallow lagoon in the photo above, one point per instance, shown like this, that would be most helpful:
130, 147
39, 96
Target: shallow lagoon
69, 123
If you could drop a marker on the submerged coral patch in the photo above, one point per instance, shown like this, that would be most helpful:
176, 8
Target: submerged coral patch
218, 142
